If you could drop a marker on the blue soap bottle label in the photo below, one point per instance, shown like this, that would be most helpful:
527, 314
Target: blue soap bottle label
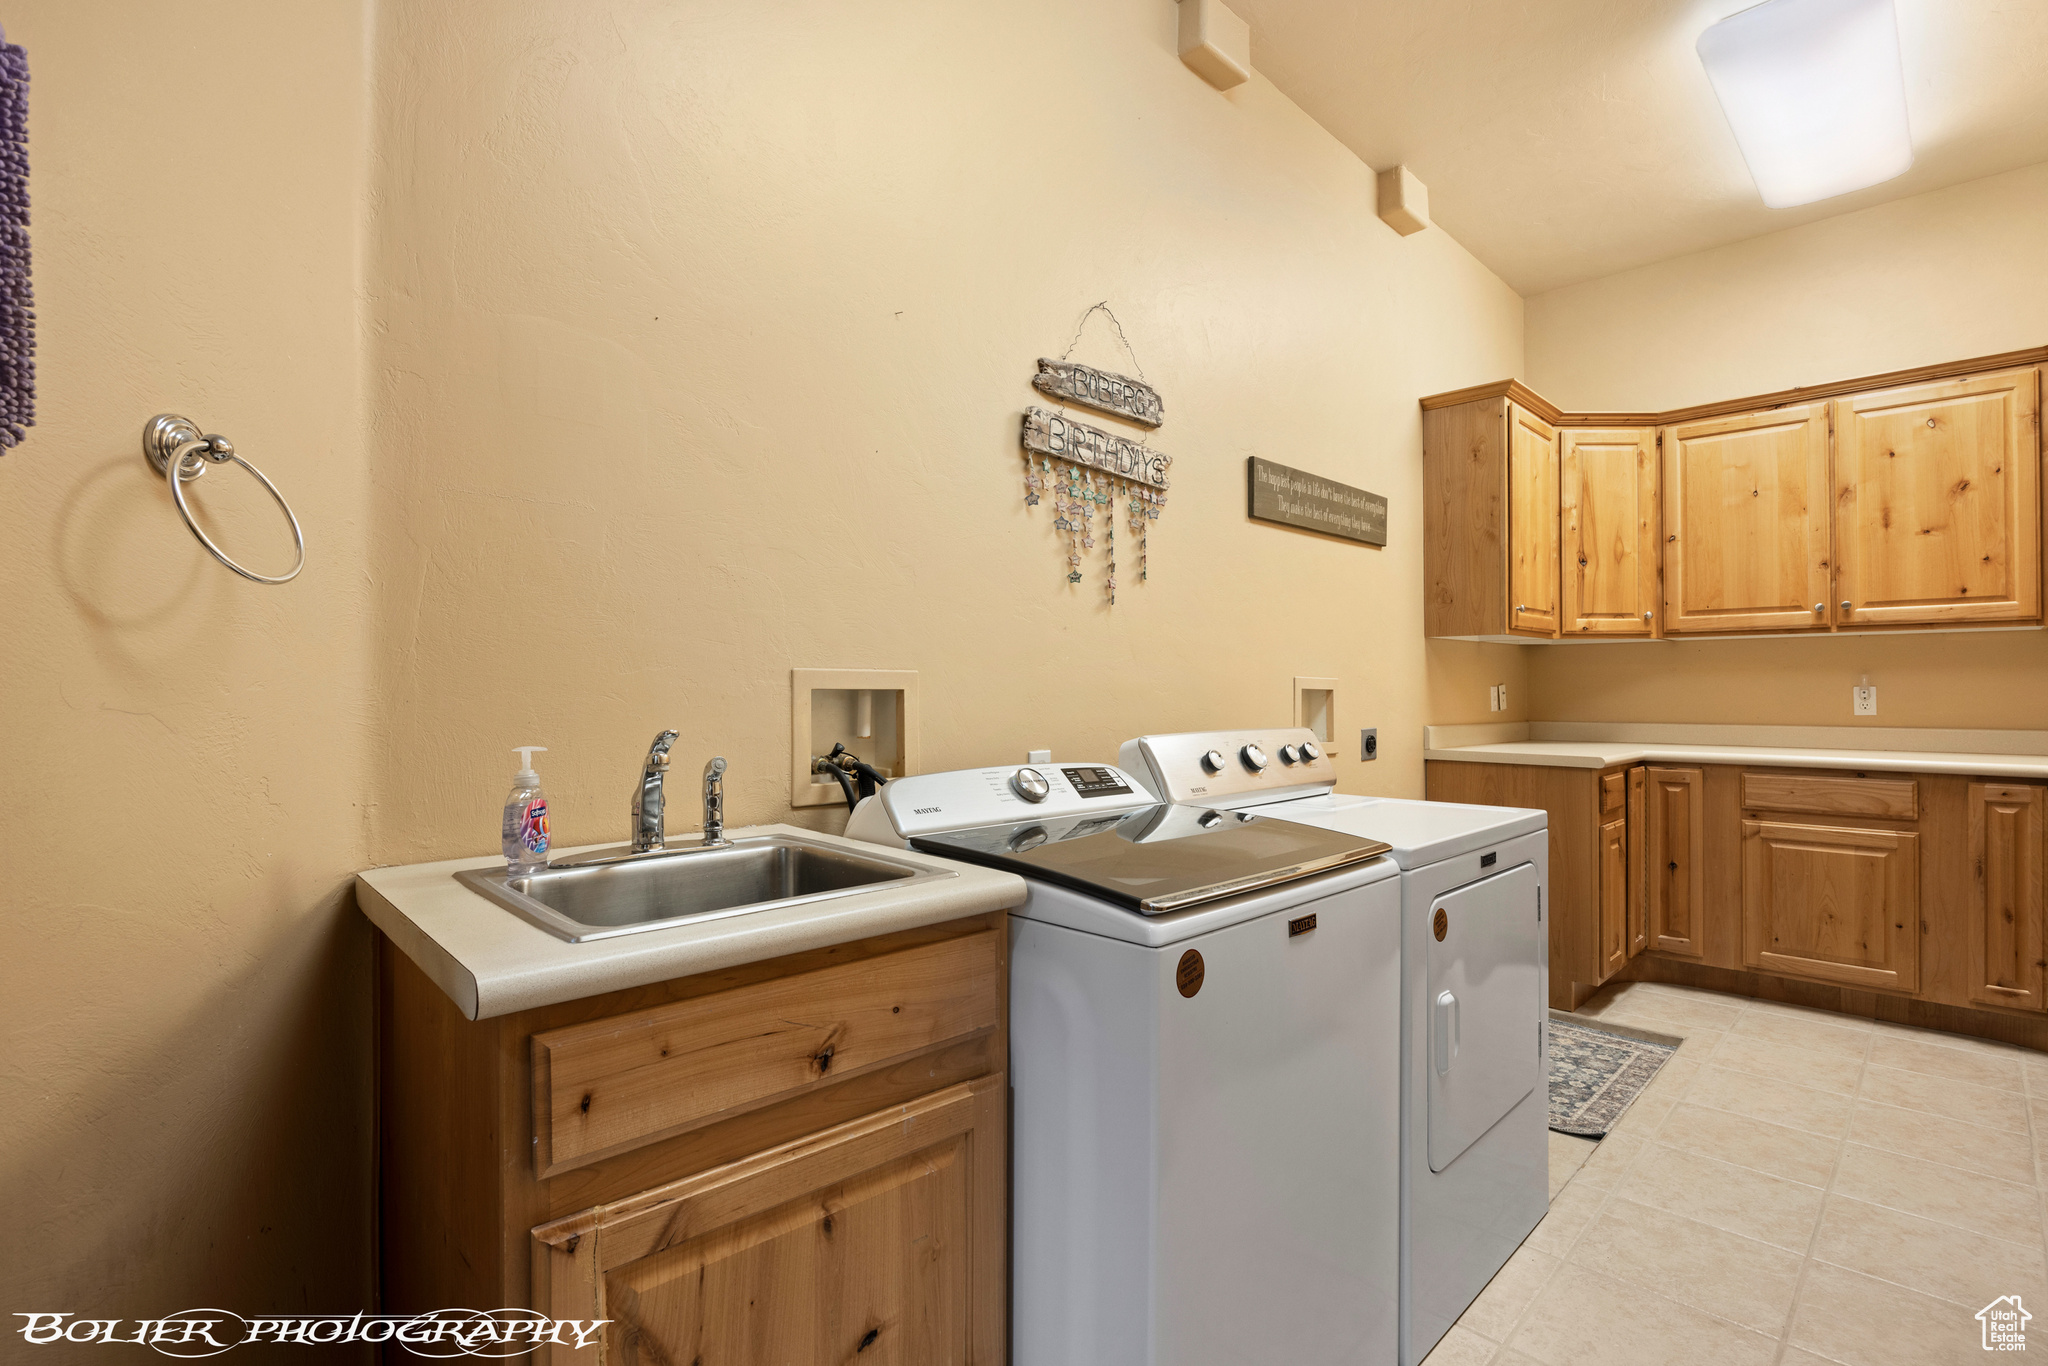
533, 826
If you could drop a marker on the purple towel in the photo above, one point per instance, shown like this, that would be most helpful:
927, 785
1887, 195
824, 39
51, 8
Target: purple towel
17, 296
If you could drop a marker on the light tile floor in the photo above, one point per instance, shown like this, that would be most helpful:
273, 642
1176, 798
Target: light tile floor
1794, 1188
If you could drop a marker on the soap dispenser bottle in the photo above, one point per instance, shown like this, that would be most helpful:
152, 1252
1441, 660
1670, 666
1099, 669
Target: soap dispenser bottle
526, 817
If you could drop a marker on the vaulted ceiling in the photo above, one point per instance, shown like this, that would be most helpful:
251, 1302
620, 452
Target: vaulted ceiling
1563, 140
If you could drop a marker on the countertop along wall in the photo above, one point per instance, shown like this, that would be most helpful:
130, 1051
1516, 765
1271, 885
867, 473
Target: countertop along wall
184, 979
705, 336
1941, 276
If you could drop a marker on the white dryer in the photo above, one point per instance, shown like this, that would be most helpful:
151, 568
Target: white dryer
1475, 955
1204, 1059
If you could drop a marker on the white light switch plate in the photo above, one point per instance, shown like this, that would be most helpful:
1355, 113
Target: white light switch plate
1866, 700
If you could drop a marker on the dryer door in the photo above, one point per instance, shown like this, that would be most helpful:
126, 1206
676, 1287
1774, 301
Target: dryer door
1484, 1007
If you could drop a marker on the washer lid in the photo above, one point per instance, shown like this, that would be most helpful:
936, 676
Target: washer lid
1157, 858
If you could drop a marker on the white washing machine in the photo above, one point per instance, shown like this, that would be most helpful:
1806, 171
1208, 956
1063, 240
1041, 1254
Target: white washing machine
1475, 960
1204, 1065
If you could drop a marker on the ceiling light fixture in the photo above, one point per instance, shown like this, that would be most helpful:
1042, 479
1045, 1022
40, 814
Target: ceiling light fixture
1816, 94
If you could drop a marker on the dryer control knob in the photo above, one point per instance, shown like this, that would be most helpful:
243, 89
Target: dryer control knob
1030, 784
1213, 761
1289, 755
1254, 758
1309, 752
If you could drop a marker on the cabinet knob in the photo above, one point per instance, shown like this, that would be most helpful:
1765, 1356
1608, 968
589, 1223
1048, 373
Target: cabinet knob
1820, 607
1845, 604
1646, 616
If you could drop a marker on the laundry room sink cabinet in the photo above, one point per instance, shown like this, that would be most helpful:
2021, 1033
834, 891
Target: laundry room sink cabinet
803, 1159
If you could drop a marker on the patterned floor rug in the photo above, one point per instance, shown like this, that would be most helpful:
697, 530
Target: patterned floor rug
1595, 1073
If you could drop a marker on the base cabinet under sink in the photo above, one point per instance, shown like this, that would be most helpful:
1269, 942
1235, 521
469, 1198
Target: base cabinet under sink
814, 1250
720, 1175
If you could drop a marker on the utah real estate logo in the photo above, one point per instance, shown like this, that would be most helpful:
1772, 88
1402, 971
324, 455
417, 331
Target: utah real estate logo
2005, 1324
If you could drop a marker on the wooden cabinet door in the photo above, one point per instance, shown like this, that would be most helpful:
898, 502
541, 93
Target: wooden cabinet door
1638, 918
1938, 501
1746, 523
1532, 524
1674, 868
878, 1240
1613, 896
2006, 902
1837, 904
1608, 511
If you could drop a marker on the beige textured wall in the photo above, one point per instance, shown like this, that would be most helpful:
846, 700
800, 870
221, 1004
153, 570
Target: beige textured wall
616, 362
183, 974
704, 335
1943, 276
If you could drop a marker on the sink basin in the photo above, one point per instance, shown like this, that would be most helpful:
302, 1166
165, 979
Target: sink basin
596, 898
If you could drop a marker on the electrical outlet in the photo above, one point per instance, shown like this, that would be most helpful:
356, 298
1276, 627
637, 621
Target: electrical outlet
1369, 744
1493, 698
1866, 699
1502, 693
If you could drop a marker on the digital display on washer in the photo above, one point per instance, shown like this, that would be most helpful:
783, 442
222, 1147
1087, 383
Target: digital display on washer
1097, 782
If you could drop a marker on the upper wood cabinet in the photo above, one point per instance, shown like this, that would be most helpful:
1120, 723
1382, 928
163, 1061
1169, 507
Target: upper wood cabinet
1867, 504
1489, 524
1532, 524
1746, 523
1607, 497
1938, 502
2005, 907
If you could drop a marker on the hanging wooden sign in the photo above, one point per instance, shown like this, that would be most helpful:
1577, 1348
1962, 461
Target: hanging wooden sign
1117, 395
1062, 438
1313, 503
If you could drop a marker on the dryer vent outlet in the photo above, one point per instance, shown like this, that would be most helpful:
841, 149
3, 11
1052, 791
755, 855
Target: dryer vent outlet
1369, 743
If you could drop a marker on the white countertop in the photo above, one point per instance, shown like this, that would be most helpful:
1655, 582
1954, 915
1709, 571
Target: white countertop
492, 962
1991, 754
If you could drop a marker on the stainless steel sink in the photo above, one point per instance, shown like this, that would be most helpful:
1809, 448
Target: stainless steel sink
598, 897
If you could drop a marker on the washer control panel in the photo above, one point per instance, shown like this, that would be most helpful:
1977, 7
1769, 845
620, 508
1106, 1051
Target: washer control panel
1266, 765
1096, 781
926, 803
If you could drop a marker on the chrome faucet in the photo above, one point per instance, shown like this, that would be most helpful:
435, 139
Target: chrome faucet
648, 831
714, 803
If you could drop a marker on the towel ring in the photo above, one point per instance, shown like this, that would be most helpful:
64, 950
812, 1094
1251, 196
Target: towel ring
171, 442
